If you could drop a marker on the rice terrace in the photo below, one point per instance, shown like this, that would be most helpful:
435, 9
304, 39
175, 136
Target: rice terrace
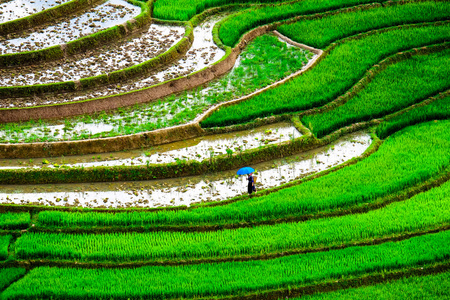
124, 123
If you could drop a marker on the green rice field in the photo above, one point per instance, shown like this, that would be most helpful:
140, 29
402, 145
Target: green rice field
374, 226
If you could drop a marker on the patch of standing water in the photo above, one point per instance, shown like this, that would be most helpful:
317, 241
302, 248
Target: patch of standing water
158, 39
266, 58
197, 149
59, 132
202, 53
109, 14
17, 9
188, 190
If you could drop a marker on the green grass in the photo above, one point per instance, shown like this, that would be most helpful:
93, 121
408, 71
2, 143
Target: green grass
423, 212
266, 58
10, 220
399, 86
230, 278
405, 159
236, 25
184, 10
414, 152
342, 67
4, 244
319, 33
436, 110
431, 287
9, 275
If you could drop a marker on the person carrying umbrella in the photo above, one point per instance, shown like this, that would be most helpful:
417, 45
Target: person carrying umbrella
251, 181
251, 184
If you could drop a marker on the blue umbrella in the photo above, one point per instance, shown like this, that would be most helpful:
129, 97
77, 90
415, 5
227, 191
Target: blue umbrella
245, 170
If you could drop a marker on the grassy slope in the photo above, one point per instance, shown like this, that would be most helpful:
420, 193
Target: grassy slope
331, 77
398, 164
234, 27
10, 220
8, 275
232, 277
436, 110
425, 211
319, 33
4, 244
399, 86
431, 287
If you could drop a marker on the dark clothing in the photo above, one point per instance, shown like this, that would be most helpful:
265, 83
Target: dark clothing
251, 185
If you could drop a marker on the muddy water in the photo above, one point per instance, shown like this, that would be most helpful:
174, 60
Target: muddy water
166, 113
203, 53
109, 14
194, 149
188, 190
158, 39
17, 9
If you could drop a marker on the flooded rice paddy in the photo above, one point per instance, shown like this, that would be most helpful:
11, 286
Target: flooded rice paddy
274, 61
158, 39
202, 53
188, 190
109, 14
16, 9
197, 149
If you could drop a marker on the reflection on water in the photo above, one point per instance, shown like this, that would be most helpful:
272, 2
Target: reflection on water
156, 40
193, 149
202, 53
113, 12
17, 9
185, 191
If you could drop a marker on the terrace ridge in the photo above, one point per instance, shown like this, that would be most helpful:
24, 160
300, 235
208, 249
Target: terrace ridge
193, 129
408, 166
74, 47
70, 112
46, 16
61, 263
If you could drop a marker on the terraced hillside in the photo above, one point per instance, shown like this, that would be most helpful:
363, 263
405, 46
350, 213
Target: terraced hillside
123, 123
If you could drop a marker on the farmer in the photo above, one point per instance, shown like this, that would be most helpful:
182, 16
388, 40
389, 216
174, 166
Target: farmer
251, 184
